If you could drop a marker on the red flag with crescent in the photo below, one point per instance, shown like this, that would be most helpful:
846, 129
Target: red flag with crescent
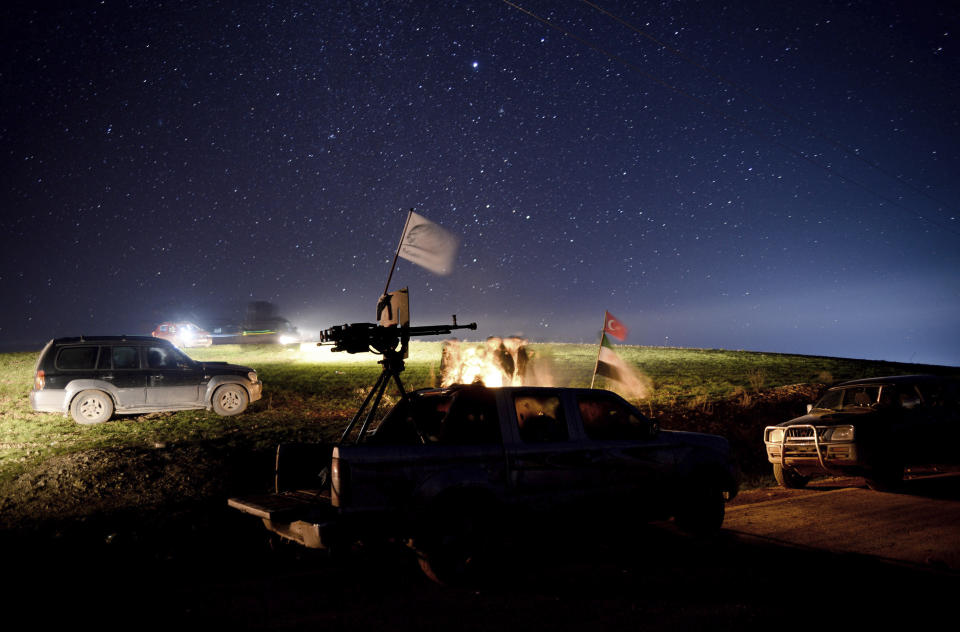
614, 327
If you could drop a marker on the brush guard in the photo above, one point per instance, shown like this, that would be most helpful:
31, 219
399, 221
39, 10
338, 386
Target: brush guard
803, 436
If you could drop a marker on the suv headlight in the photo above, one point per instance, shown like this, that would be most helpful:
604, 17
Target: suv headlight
775, 435
252, 376
838, 433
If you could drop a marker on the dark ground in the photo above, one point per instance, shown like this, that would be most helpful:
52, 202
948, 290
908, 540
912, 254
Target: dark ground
143, 539
209, 567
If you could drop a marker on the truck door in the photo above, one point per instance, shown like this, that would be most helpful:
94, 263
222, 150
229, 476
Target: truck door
120, 366
930, 427
547, 466
172, 379
633, 463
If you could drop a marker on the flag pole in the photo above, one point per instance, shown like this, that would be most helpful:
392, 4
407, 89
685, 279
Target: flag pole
397, 254
603, 334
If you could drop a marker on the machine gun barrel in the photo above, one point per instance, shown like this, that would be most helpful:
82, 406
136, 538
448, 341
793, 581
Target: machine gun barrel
436, 330
363, 337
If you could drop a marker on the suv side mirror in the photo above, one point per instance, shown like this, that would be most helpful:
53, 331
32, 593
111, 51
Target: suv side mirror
809, 408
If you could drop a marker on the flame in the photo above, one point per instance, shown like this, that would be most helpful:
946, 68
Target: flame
497, 362
474, 365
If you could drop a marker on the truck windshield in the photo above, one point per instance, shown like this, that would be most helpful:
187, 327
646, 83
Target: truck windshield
849, 399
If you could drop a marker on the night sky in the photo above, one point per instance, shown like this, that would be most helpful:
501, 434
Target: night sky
770, 176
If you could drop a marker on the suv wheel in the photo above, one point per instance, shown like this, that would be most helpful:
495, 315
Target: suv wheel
91, 407
230, 399
788, 478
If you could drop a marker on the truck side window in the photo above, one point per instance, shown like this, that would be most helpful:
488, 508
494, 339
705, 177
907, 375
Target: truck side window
907, 396
125, 358
77, 358
161, 358
605, 417
540, 419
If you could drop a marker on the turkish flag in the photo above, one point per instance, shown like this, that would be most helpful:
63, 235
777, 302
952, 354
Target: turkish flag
614, 327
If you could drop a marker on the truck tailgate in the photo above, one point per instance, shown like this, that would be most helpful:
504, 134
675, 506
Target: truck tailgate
283, 507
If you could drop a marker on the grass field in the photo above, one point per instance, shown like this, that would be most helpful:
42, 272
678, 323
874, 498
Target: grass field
309, 394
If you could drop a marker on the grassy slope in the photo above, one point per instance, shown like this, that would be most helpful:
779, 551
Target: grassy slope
310, 394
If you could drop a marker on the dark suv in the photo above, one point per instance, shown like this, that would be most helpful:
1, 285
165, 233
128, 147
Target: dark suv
93, 377
872, 427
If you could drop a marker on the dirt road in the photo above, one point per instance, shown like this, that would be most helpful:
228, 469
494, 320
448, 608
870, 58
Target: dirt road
918, 526
840, 556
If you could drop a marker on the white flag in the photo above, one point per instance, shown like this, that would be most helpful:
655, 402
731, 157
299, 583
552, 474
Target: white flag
429, 245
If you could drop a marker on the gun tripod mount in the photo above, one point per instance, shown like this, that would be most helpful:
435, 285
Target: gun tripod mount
390, 342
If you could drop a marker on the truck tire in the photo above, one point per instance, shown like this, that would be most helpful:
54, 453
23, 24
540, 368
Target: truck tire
701, 510
788, 478
458, 542
885, 478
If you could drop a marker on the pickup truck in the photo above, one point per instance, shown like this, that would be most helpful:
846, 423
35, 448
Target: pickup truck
449, 471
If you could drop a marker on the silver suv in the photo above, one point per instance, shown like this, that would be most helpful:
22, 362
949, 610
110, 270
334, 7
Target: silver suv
92, 377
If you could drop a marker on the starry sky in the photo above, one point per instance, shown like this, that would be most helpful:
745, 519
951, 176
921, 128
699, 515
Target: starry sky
769, 176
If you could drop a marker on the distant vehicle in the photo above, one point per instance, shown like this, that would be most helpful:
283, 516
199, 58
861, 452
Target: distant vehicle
263, 325
271, 331
183, 334
872, 427
274, 331
447, 468
92, 377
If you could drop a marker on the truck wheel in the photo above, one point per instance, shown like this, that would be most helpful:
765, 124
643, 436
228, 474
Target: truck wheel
91, 407
457, 545
788, 478
230, 399
702, 510
885, 478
